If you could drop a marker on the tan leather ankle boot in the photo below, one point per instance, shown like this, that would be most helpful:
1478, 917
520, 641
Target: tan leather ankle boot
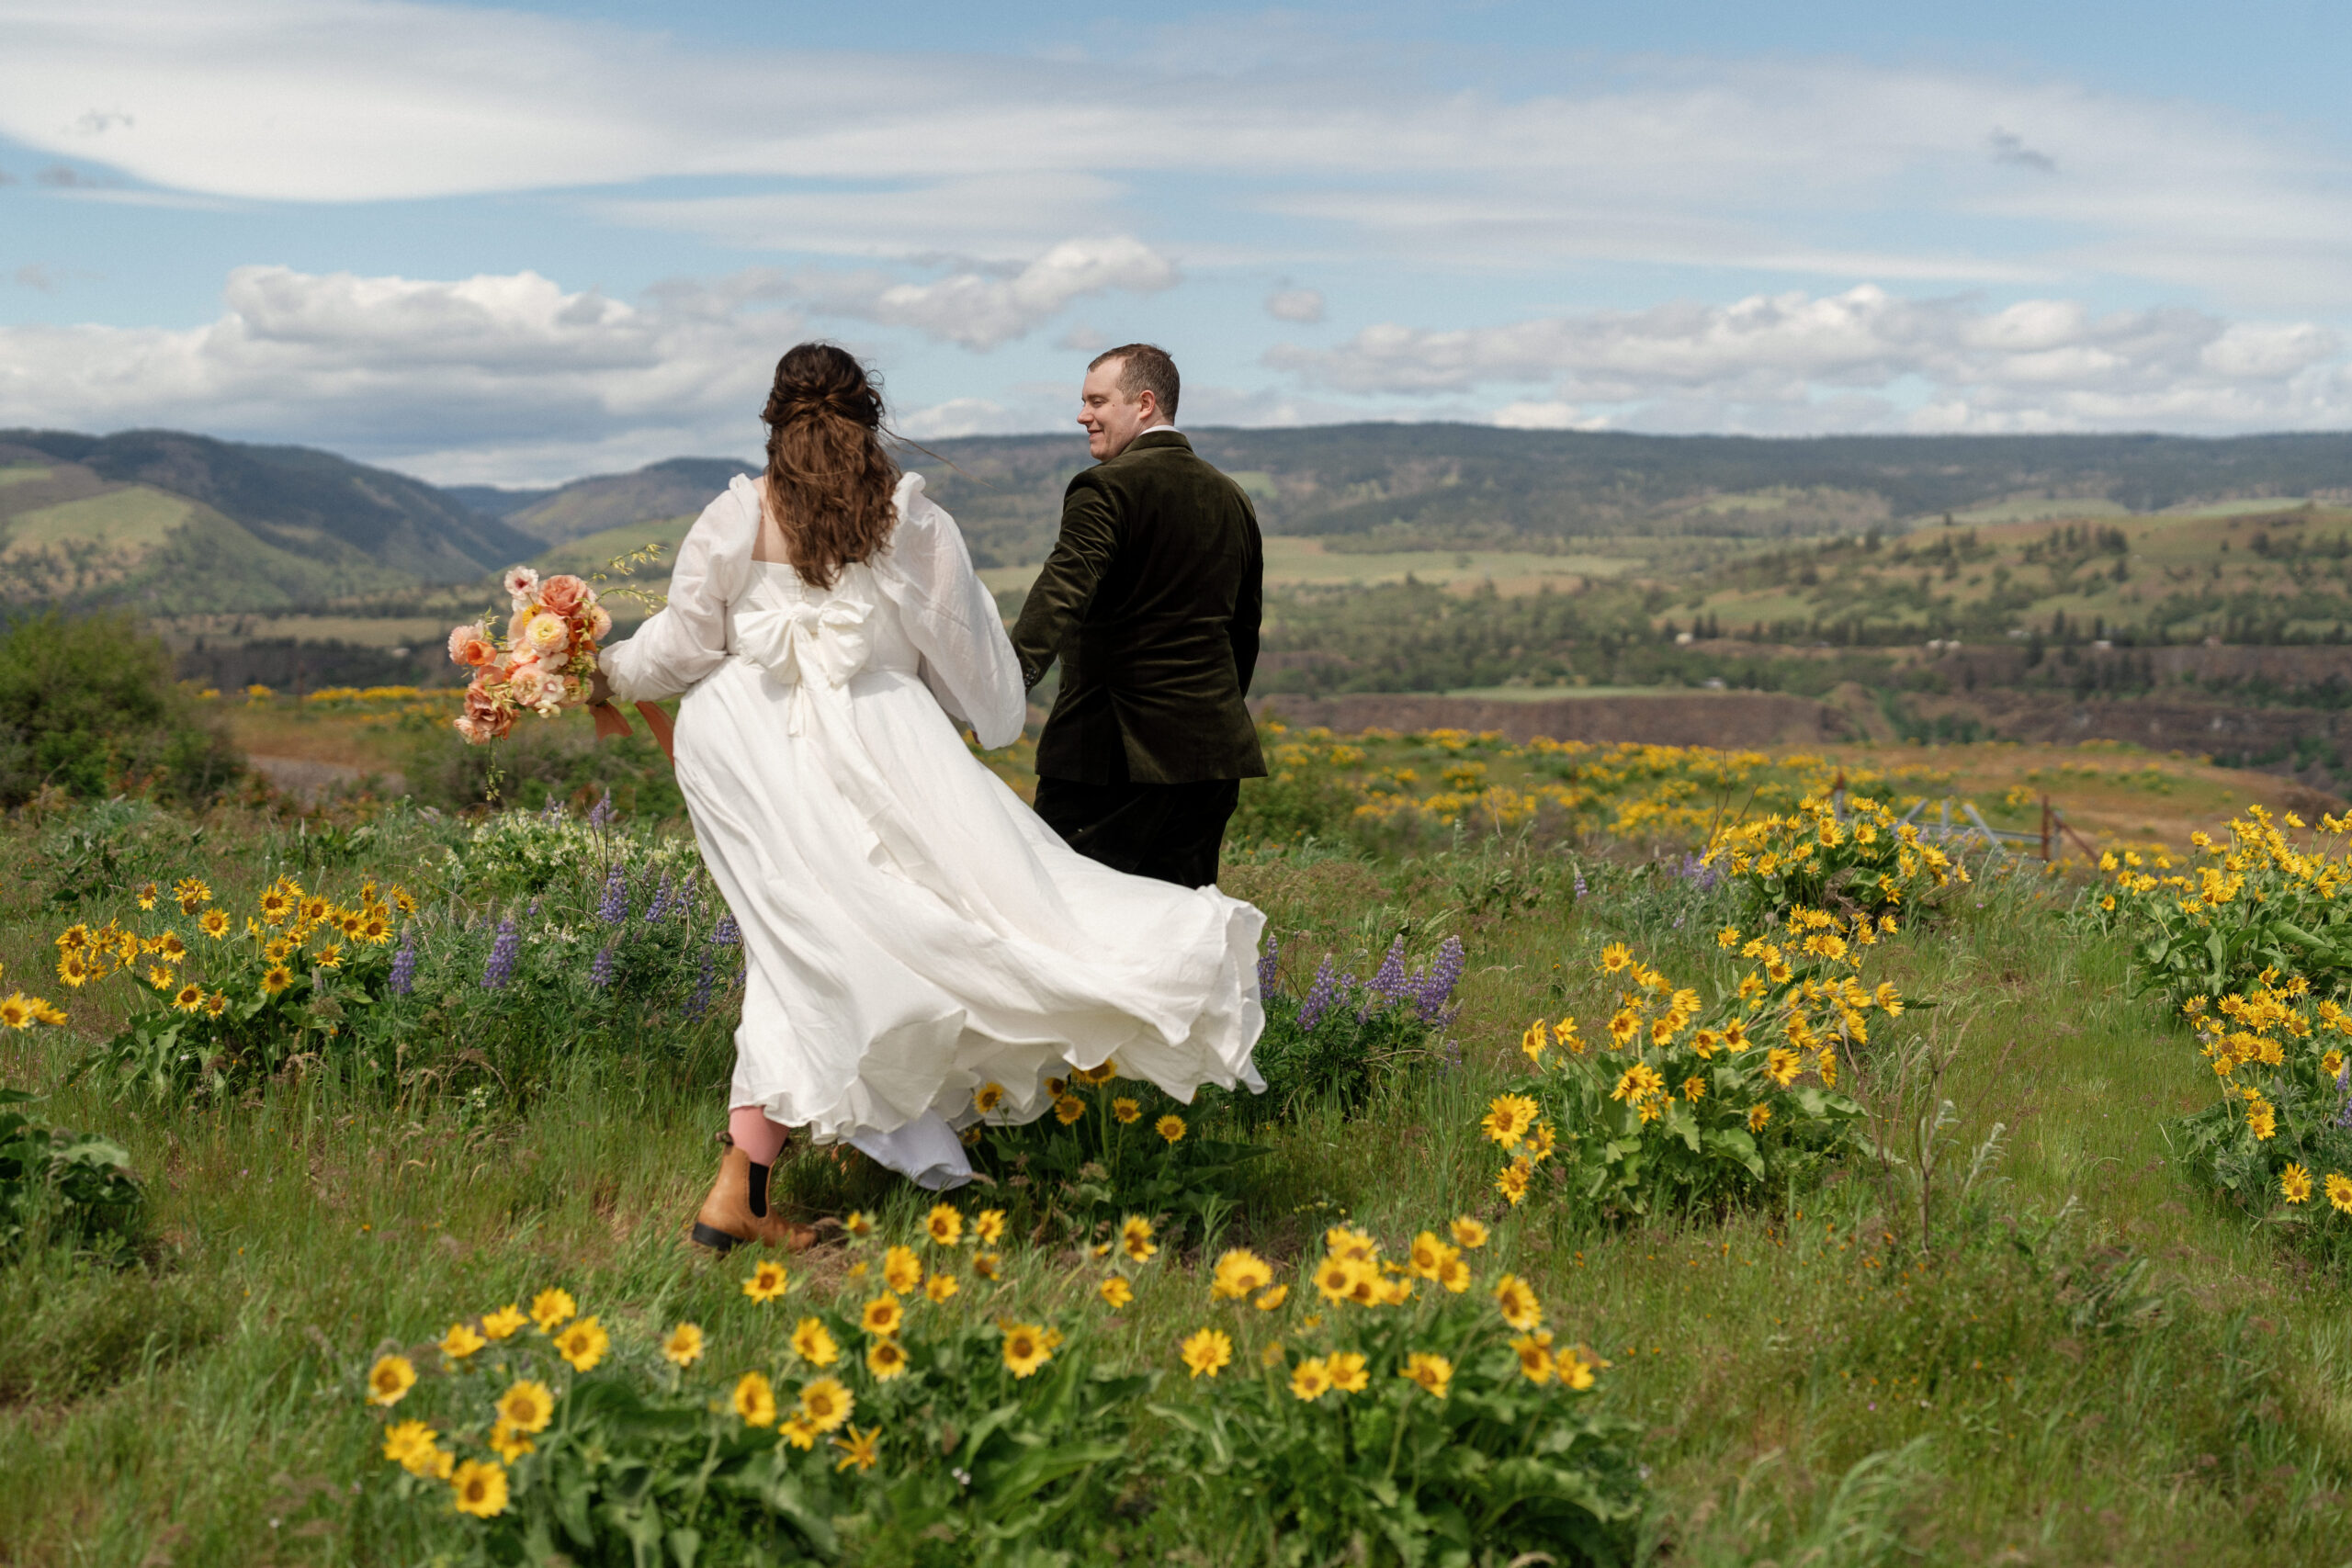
726, 1222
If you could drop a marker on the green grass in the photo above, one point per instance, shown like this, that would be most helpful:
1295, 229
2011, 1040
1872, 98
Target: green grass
21, 473
131, 519
1815, 1387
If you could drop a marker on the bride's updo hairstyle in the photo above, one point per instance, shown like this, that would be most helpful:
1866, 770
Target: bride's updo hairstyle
830, 479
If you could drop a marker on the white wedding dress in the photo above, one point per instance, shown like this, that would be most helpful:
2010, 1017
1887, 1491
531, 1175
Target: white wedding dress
912, 931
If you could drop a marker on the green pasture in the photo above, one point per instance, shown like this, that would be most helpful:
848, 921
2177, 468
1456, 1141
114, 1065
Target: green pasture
2060, 1354
133, 520
21, 473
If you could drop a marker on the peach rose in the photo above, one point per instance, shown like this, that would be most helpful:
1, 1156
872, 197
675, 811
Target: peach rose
463, 638
562, 594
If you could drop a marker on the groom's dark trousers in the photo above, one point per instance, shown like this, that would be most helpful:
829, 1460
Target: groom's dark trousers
1151, 599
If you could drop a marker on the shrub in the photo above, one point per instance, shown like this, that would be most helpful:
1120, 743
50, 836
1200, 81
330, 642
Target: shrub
897, 1422
2277, 1139
1416, 1413
2214, 925
1682, 1102
78, 1183
1852, 859
88, 705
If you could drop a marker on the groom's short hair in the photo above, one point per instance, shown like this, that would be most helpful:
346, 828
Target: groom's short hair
1142, 367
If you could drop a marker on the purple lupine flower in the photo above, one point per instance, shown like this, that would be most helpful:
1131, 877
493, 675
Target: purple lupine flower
699, 1003
554, 810
1579, 882
614, 909
726, 934
2344, 1087
600, 973
403, 975
602, 813
502, 950
1438, 989
1320, 997
1388, 982
1266, 962
660, 905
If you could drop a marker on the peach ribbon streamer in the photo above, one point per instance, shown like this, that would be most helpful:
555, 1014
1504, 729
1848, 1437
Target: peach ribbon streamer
613, 725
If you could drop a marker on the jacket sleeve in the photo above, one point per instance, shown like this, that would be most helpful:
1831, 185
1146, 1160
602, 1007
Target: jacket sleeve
1248, 607
1088, 540
952, 619
686, 639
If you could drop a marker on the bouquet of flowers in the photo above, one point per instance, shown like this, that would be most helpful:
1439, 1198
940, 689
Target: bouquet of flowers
542, 663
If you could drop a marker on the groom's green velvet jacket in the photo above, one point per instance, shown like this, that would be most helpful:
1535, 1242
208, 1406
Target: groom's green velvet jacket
1151, 599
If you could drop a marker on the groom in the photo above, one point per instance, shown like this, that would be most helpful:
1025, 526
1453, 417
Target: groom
1151, 599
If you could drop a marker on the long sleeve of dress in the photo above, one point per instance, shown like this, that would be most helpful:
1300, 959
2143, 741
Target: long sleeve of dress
968, 661
688, 639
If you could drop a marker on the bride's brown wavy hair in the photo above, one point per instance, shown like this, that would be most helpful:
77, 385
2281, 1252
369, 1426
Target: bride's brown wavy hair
830, 479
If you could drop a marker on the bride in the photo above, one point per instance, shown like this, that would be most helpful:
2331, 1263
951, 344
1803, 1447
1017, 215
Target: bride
912, 933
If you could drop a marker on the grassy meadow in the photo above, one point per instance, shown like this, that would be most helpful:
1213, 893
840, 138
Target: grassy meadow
2008, 1329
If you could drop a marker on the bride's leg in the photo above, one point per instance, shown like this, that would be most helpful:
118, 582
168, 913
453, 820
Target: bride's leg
736, 1210
755, 1134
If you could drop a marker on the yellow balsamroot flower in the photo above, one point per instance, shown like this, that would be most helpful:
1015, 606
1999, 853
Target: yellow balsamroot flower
1782, 1065
1516, 1299
767, 1283
1272, 1355
799, 1431
461, 1342
1135, 1238
1349, 1374
1336, 1278
1356, 1246
171, 949
17, 1010
813, 1344
373, 930
902, 1270
1209, 1350
1026, 1348
826, 1404
1432, 1372
755, 1400
275, 978
2263, 1118
1310, 1380
683, 1346
1427, 1255
1128, 1111
944, 1224
1269, 1300
390, 1379
1512, 1182
148, 893
1068, 1109
187, 998
1574, 1368
1639, 1084
939, 1287
882, 1316
328, 957
550, 1309
315, 910
2339, 1192
988, 1226
985, 1264
414, 1446
1535, 1353
213, 923
583, 1344
886, 1358
1169, 1127
1757, 1116
1728, 937
1092, 1076
1455, 1275
1240, 1272
159, 978
1115, 1292
509, 1444
1694, 1088
1623, 1026
1468, 1234
193, 893
988, 1097
1535, 1041
1615, 957
503, 1322
275, 906
1507, 1118
858, 1223
860, 1449
2295, 1184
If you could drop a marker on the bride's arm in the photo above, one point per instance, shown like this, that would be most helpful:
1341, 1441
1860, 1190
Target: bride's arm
953, 622
687, 638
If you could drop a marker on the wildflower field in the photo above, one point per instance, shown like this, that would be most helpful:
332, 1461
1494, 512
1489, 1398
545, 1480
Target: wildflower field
1669, 1156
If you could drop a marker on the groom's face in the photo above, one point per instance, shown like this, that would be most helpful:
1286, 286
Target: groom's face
1112, 418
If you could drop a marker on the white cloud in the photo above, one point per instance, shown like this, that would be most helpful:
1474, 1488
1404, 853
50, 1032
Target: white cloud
980, 312
965, 416
1823, 166
1295, 305
1856, 359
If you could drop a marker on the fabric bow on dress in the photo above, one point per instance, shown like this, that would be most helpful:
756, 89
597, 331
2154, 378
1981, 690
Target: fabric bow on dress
821, 642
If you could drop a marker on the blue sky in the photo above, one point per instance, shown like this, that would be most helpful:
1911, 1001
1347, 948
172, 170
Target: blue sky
517, 244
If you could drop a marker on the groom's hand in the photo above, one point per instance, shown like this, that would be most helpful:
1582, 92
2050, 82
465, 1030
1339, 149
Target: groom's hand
600, 690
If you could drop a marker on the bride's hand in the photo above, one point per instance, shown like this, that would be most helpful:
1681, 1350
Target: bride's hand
600, 690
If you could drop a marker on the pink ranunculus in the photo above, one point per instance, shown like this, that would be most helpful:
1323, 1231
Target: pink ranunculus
562, 594
463, 638
515, 623
522, 585
546, 636
599, 622
527, 686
